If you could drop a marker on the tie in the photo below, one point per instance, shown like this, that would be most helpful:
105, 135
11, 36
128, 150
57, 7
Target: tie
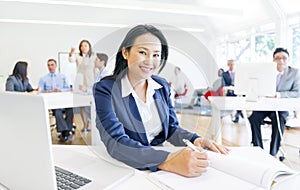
53, 81
278, 80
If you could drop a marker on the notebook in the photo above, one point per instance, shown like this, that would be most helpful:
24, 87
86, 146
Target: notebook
27, 160
246, 168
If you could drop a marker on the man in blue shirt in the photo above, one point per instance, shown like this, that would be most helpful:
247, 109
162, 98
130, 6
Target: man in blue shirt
57, 82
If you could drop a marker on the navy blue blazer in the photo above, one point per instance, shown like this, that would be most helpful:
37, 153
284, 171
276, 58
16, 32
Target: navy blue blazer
14, 83
121, 128
227, 79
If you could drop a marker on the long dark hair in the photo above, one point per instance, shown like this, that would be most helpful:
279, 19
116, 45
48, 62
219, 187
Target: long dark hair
90, 52
121, 64
20, 70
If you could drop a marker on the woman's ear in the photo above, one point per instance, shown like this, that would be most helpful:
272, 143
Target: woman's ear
124, 53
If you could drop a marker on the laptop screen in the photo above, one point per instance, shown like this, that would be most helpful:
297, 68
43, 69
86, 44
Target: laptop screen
26, 156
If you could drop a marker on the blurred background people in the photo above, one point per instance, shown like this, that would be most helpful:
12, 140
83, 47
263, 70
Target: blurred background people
57, 82
86, 73
228, 77
18, 80
215, 90
177, 82
100, 64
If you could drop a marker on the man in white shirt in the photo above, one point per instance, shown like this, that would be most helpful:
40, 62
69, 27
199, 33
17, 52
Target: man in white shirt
100, 64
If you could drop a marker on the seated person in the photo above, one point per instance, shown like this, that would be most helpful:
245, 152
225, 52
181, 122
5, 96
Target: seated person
215, 90
288, 86
18, 80
177, 83
57, 82
135, 112
228, 78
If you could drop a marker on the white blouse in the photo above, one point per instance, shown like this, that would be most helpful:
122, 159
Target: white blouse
148, 109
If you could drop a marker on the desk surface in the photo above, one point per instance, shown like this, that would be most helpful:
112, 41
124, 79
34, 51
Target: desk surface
66, 100
240, 103
84, 161
265, 104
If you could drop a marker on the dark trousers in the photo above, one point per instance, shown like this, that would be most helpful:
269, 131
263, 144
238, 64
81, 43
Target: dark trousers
256, 119
64, 123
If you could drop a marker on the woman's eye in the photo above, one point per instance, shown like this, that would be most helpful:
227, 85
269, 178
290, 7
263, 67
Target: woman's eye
143, 52
156, 55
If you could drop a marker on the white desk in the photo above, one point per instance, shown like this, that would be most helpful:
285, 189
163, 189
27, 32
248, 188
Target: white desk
83, 160
71, 100
239, 103
66, 100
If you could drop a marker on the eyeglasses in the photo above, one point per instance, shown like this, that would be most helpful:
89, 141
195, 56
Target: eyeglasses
279, 58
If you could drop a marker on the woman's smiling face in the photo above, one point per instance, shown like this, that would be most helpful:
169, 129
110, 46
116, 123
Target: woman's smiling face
144, 56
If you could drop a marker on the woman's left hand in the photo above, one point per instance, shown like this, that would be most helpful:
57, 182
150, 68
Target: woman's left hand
211, 145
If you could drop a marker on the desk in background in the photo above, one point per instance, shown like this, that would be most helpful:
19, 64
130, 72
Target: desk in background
66, 100
220, 103
60, 100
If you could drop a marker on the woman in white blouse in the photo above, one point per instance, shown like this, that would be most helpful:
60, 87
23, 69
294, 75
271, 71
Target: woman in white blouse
86, 73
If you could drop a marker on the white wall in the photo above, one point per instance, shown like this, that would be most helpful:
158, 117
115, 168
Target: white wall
36, 43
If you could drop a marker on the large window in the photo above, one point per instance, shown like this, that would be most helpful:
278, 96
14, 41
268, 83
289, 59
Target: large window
255, 46
296, 45
264, 47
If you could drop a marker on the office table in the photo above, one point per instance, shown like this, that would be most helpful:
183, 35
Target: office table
89, 161
239, 103
66, 100
105, 174
61, 100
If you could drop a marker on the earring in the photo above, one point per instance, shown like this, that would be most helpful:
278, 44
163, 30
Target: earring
124, 57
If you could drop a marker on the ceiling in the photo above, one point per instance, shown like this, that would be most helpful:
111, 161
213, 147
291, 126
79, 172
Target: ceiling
210, 16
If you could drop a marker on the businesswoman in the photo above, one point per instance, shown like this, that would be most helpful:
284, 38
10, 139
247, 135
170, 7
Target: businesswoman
18, 80
135, 112
87, 74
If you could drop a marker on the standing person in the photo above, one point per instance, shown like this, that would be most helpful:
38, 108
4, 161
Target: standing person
228, 77
18, 80
135, 112
288, 86
86, 71
100, 64
57, 82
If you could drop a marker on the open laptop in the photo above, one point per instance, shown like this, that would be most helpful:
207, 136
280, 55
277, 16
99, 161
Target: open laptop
27, 160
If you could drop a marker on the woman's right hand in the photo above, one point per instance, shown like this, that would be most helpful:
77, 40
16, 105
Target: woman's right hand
186, 162
72, 51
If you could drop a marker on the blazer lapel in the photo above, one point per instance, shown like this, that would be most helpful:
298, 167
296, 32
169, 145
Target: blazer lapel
135, 118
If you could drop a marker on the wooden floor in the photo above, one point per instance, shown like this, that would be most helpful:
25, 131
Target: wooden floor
79, 138
233, 135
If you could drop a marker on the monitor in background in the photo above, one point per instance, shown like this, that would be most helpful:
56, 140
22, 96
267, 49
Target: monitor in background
255, 80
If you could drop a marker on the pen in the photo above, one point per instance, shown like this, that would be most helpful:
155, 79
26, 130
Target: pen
192, 146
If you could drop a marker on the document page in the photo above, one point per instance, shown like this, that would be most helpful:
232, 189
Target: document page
247, 167
212, 179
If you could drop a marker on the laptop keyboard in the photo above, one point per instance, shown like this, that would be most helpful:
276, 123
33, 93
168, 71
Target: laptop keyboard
67, 180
